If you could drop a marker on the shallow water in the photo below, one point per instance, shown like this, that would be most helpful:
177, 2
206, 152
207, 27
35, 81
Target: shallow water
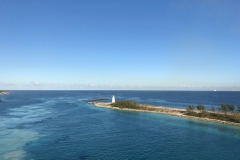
62, 125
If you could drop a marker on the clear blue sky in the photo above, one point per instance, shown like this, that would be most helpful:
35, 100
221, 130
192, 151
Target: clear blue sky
120, 44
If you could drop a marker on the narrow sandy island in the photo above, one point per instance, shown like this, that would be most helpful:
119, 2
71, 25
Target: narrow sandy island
164, 110
4, 92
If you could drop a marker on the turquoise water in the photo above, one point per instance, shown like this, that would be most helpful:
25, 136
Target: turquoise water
62, 125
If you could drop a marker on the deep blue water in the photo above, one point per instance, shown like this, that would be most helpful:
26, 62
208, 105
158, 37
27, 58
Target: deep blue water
62, 125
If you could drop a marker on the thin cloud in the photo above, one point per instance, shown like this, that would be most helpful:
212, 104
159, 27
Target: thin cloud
7, 84
36, 83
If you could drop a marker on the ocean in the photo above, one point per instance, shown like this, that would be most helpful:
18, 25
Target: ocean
49, 125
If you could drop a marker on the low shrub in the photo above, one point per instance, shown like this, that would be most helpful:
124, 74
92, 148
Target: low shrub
126, 104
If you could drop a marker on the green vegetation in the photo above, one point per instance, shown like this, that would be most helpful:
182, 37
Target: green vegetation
126, 104
201, 107
133, 105
190, 108
223, 108
226, 112
230, 107
213, 109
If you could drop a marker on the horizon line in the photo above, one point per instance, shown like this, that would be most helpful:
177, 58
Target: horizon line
115, 90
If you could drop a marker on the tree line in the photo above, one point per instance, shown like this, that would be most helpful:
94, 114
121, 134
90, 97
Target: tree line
226, 112
223, 108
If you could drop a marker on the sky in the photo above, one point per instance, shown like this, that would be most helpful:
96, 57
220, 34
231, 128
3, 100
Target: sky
120, 45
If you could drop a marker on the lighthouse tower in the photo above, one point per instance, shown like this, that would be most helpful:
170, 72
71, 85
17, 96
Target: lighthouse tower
113, 99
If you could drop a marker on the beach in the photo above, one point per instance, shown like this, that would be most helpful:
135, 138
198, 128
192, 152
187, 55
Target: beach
164, 110
4, 92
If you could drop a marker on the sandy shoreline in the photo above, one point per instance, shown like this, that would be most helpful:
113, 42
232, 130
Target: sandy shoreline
164, 110
4, 92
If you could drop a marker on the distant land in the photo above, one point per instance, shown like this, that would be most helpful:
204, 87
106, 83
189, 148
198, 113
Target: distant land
230, 118
4, 92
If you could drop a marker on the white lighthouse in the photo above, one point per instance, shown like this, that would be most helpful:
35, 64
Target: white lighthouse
113, 99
